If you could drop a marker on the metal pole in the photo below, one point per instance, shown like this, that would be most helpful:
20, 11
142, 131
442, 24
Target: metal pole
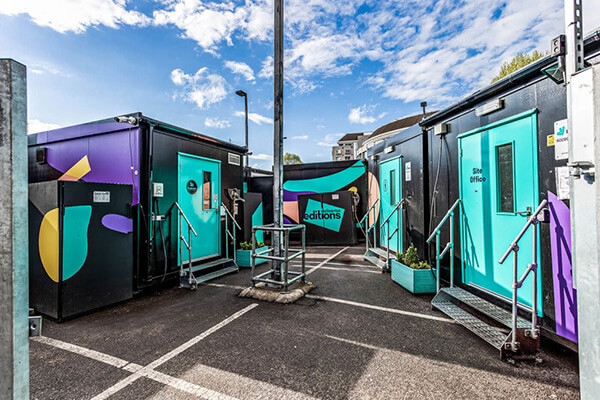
252, 256
437, 262
452, 249
226, 235
246, 137
14, 263
286, 262
398, 231
234, 242
514, 298
303, 254
180, 245
278, 136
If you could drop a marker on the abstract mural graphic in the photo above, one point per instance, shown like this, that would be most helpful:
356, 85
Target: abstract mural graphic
118, 223
324, 184
76, 222
77, 171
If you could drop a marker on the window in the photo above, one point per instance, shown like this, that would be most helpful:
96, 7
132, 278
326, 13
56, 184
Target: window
393, 186
347, 157
505, 178
338, 158
206, 191
338, 151
347, 151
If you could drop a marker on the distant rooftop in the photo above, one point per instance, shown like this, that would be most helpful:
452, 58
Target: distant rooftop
351, 136
400, 123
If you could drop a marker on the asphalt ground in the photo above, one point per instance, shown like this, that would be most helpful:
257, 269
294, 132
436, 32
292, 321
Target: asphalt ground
358, 335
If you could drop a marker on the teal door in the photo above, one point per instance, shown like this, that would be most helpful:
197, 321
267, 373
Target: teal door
199, 196
390, 177
498, 188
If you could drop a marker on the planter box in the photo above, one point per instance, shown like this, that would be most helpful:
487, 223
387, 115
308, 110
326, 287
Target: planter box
413, 280
244, 259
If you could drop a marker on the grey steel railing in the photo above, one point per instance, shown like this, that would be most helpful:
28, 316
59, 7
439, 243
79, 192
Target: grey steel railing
187, 243
531, 268
368, 227
283, 262
230, 234
396, 231
449, 246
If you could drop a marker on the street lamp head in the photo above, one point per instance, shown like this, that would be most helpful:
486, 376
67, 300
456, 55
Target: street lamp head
241, 93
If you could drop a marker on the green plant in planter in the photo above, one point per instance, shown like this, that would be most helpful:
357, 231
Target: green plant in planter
248, 245
411, 259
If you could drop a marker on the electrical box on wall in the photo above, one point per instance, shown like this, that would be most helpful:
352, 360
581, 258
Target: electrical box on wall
440, 129
157, 189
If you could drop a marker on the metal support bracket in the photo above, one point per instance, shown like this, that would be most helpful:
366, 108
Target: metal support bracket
35, 325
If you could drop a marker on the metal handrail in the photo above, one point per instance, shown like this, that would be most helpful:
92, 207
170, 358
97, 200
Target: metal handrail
228, 233
369, 228
395, 231
449, 246
531, 268
187, 243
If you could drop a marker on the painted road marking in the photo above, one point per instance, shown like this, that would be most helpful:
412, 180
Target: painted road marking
313, 269
378, 308
147, 370
352, 303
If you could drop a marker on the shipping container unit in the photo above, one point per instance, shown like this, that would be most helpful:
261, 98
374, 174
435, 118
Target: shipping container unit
501, 151
397, 173
172, 172
319, 179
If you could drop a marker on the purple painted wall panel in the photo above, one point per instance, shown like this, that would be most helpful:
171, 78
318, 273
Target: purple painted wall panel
110, 155
565, 296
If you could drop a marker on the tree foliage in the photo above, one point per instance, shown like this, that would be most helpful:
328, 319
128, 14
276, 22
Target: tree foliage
291, 159
517, 62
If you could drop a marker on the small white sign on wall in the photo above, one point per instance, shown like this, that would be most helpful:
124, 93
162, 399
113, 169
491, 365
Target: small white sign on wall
562, 183
407, 171
101, 197
561, 140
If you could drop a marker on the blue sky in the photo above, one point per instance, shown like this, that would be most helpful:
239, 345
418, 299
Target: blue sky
351, 65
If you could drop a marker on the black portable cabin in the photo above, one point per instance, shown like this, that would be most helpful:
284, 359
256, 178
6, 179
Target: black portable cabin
167, 167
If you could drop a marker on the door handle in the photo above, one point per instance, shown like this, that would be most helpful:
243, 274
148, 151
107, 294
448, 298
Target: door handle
527, 212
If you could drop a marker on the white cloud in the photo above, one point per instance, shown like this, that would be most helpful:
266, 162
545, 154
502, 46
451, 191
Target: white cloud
216, 123
261, 156
202, 88
330, 139
35, 126
362, 115
241, 68
300, 137
73, 15
256, 118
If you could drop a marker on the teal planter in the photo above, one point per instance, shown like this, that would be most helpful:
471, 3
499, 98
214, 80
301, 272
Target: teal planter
414, 280
244, 257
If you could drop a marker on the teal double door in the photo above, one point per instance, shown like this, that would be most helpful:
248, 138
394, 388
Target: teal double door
499, 190
199, 196
390, 178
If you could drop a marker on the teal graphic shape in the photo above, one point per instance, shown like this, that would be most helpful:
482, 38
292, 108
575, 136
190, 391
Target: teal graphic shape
329, 183
257, 220
75, 241
324, 215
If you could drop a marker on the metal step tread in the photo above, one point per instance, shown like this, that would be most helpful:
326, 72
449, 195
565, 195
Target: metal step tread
216, 274
375, 261
487, 332
379, 252
485, 307
209, 264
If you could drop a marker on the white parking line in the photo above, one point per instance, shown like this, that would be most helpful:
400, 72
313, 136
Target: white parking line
148, 371
378, 308
310, 271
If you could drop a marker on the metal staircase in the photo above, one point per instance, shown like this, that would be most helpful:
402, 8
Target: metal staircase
464, 307
188, 270
373, 254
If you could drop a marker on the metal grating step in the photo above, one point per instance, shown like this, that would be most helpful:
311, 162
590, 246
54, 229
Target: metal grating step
488, 333
380, 252
216, 274
375, 261
210, 264
485, 307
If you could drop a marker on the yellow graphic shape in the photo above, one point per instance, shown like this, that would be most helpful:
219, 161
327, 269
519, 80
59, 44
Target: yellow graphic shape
77, 171
48, 243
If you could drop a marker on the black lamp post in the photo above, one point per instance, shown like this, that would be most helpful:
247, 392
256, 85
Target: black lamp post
243, 94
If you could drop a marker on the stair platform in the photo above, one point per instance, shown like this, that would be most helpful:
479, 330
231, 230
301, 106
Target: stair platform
377, 257
191, 282
216, 274
211, 264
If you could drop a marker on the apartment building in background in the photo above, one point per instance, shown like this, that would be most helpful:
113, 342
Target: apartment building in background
347, 147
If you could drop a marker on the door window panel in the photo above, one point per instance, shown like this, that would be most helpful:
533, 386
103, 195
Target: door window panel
393, 186
506, 178
206, 190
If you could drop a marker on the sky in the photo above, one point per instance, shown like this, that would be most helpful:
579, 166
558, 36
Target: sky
350, 66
